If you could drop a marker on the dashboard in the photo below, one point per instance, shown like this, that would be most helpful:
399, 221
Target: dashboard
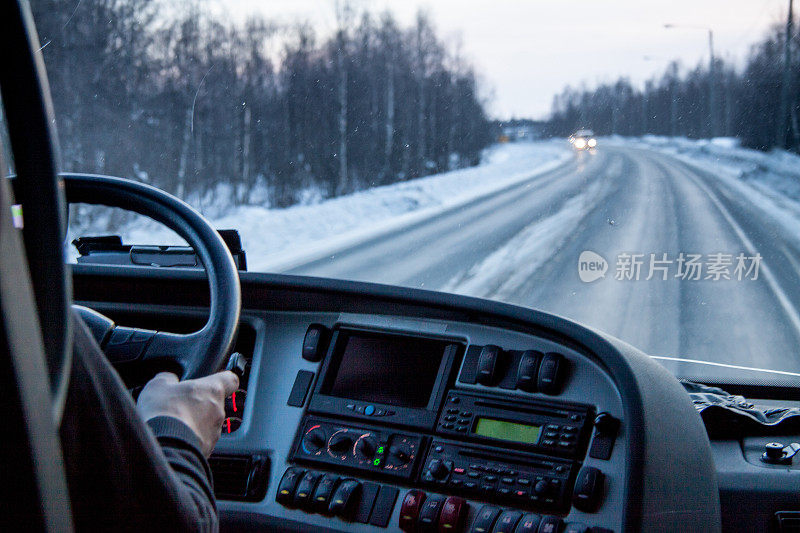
431, 420
368, 408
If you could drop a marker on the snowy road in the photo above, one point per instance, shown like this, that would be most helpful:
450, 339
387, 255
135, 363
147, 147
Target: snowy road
522, 244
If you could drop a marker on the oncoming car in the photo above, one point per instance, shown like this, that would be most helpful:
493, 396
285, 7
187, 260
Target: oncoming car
583, 140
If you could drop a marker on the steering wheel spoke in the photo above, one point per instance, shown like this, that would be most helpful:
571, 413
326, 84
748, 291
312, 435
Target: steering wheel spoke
176, 350
125, 345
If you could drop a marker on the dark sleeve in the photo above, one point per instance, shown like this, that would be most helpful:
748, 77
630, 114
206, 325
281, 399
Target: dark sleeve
181, 447
123, 474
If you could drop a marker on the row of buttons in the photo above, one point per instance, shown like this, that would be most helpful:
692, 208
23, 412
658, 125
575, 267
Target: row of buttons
329, 494
555, 436
493, 469
536, 490
541, 493
564, 430
492, 519
566, 445
456, 420
453, 427
369, 410
499, 470
459, 414
312, 491
423, 513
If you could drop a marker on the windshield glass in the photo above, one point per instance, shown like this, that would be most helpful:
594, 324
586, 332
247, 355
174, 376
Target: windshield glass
629, 165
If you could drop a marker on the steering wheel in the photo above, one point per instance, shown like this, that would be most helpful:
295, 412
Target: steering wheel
197, 354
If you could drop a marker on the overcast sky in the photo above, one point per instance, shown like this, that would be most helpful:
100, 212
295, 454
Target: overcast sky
526, 51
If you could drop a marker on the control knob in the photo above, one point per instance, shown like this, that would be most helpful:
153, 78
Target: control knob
542, 488
366, 446
438, 469
400, 453
314, 440
340, 442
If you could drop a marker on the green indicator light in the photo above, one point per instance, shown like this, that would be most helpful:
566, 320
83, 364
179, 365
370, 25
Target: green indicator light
380, 449
376, 462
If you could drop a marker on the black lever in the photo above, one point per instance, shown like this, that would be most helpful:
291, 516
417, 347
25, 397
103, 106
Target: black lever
237, 364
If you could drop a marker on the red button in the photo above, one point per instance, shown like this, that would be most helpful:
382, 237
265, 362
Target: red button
458, 470
453, 516
409, 511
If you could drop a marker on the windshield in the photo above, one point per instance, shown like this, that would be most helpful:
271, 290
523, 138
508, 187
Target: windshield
629, 165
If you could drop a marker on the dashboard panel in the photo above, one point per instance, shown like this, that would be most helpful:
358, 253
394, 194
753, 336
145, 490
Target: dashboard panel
434, 430
384, 409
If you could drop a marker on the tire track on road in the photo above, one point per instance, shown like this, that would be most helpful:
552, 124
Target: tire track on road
791, 312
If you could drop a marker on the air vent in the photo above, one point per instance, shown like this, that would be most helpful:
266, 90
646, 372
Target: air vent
239, 477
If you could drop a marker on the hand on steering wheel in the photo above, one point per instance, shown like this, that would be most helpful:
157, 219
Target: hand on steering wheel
199, 403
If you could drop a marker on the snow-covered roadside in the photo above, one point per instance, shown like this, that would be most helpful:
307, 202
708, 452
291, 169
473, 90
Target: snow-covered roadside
769, 180
277, 239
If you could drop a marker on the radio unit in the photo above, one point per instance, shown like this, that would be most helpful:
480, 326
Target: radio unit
400, 379
544, 427
520, 479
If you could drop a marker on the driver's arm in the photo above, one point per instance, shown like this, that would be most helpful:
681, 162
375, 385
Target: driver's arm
186, 418
120, 477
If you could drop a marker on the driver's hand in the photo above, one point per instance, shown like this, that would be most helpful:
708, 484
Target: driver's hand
198, 403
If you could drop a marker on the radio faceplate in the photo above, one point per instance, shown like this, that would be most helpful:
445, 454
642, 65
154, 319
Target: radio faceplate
544, 427
520, 479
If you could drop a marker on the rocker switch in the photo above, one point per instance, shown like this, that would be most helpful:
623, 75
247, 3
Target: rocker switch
487, 364
527, 370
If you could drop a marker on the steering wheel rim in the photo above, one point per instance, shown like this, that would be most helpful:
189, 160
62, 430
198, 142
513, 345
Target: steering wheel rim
203, 352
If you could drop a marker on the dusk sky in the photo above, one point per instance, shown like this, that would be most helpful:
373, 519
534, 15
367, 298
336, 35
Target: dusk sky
526, 51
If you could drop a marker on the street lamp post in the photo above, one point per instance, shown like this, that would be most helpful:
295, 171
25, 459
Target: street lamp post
712, 112
673, 102
783, 106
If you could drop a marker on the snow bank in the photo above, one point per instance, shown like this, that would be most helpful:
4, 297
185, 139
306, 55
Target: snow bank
278, 239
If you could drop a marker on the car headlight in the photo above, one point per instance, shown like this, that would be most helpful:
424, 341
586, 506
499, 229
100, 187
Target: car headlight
580, 144
592, 143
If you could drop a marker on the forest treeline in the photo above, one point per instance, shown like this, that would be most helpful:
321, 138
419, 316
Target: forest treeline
163, 92
709, 100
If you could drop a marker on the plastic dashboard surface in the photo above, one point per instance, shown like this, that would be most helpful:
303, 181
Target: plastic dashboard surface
269, 424
649, 480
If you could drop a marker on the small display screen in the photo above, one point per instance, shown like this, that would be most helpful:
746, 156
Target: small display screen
388, 369
511, 431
